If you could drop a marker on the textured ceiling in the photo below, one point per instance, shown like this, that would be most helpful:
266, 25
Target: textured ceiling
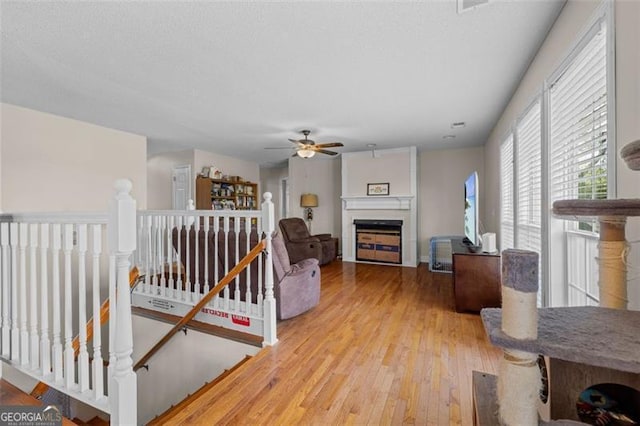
236, 77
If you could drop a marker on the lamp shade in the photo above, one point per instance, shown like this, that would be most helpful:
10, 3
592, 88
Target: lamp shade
308, 200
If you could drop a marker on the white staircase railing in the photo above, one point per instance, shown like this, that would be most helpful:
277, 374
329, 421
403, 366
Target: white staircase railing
183, 254
53, 270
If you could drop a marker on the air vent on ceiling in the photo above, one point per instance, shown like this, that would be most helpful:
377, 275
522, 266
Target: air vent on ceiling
467, 5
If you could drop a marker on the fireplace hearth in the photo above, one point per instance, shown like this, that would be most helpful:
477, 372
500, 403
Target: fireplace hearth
378, 240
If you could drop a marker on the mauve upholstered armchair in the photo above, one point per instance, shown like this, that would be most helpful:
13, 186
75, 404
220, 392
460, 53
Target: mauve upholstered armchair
297, 286
302, 245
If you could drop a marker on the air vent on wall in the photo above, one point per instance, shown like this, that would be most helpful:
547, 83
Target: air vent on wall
467, 5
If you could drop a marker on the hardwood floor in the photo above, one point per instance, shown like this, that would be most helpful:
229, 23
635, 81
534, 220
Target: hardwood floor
383, 347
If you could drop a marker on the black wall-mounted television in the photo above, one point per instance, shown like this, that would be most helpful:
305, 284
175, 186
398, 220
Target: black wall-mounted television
471, 211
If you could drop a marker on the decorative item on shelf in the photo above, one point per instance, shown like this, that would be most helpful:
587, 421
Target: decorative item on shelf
308, 201
205, 172
215, 173
378, 188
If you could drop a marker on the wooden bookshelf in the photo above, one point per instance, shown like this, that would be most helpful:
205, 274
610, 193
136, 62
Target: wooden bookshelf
221, 194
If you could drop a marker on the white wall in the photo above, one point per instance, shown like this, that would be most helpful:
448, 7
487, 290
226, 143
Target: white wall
386, 167
571, 21
52, 163
159, 178
441, 176
628, 124
319, 175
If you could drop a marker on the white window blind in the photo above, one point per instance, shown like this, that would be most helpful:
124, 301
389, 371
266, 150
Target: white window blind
578, 124
528, 235
506, 194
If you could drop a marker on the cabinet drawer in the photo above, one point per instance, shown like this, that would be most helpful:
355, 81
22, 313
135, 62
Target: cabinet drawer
388, 256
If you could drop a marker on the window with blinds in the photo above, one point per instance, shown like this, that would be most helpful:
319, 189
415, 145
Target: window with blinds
506, 194
528, 230
578, 125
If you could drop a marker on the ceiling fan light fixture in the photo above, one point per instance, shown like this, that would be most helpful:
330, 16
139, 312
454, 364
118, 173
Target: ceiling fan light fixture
306, 153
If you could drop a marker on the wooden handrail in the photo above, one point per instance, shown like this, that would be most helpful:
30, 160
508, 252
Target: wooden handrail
42, 387
239, 267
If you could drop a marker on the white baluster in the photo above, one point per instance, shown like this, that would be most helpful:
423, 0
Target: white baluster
226, 260
22, 274
45, 344
195, 295
187, 249
123, 387
112, 316
180, 286
15, 331
56, 354
6, 296
83, 355
169, 290
260, 297
69, 364
270, 335
216, 278
96, 365
155, 255
148, 245
161, 246
236, 293
205, 286
34, 338
248, 295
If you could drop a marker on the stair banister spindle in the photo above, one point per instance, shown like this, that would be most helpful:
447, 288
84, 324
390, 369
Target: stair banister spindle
22, 274
195, 295
97, 367
15, 331
161, 233
169, 290
188, 226
34, 338
83, 355
226, 259
259, 304
6, 297
206, 283
45, 344
270, 335
248, 296
180, 286
122, 242
69, 352
113, 303
236, 293
56, 245
216, 278
149, 252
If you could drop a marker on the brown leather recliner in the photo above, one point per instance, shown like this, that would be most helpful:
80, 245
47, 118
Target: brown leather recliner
302, 245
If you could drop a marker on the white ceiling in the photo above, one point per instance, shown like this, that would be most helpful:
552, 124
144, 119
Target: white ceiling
235, 77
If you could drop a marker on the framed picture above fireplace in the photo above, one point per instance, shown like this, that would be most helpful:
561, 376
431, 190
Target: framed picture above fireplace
378, 188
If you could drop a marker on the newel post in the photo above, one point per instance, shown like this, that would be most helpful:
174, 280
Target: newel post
122, 242
268, 221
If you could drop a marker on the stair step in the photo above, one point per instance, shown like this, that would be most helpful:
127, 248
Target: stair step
11, 395
200, 326
175, 409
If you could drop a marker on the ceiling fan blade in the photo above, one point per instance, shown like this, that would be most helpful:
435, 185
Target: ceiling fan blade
329, 145
295, 141
325, 151
295, 154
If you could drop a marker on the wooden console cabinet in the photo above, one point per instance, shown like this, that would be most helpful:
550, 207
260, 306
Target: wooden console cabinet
476, 279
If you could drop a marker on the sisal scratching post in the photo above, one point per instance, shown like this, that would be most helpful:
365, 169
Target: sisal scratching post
612, 246
519, 377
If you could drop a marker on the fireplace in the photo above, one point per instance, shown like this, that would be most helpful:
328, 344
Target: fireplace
378, 240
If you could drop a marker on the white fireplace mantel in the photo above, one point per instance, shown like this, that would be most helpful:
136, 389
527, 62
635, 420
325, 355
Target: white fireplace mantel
377, 202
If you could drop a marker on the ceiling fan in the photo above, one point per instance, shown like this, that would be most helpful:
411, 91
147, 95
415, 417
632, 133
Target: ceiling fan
306, 148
